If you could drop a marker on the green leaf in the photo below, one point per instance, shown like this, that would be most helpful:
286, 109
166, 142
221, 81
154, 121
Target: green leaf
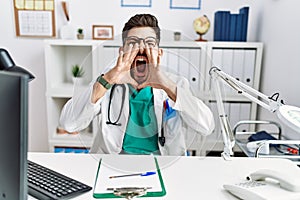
77, 71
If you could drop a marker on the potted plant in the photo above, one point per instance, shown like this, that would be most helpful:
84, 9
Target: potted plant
177, 36
77, 73
80, 34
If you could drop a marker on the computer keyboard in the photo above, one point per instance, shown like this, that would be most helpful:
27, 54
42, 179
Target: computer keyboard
44, 184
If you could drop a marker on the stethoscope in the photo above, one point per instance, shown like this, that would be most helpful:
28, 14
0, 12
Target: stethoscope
116, 123
161, 138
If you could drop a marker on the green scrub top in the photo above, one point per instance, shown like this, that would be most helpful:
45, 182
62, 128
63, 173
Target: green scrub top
141, 134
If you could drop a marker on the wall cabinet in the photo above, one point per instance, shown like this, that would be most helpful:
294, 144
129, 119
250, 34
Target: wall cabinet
190, 59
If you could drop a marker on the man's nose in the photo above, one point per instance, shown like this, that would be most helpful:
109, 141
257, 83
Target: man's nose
142, 46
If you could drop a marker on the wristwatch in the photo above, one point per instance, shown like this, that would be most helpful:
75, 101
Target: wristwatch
103, 82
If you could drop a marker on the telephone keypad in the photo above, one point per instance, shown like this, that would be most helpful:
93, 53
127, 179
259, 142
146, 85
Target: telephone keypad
251, 184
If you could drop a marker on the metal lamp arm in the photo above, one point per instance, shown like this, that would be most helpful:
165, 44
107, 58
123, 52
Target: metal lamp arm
247, 91
228, 138
243, 89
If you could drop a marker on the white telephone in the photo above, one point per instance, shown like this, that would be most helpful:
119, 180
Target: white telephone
267, 184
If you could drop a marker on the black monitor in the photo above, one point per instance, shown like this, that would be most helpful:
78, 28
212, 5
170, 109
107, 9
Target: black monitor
13, 135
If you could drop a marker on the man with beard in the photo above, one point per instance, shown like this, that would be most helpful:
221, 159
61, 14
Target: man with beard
139, 108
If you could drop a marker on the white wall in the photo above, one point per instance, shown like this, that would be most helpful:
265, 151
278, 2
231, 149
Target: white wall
281, 69
110, 12
28, 52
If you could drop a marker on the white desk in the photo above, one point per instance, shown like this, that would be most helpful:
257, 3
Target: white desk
184, 177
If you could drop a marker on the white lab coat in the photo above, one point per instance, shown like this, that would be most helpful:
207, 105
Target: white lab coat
78, 112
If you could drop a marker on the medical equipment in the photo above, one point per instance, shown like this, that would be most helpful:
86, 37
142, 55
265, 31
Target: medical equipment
122, 104
290, 115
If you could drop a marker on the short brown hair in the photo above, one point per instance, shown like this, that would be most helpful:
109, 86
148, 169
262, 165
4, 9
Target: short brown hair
141, 20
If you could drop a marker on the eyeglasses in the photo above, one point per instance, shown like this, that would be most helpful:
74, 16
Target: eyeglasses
150, 41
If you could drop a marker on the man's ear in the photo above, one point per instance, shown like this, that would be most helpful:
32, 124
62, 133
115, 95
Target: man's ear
160, 52
120, 49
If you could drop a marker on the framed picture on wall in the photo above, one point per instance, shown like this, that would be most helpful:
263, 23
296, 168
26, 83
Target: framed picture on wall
185, 4
136, 3
103, 32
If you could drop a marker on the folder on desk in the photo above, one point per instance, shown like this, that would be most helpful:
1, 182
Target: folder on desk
118, 165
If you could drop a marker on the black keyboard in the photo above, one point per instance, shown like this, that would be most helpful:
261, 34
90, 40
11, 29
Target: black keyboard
44, 184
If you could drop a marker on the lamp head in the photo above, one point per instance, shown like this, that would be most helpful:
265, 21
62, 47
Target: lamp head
290, 115
7, 64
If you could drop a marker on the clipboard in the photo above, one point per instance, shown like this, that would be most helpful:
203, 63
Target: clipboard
113, 165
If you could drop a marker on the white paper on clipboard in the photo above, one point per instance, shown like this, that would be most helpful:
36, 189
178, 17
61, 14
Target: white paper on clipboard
123, 165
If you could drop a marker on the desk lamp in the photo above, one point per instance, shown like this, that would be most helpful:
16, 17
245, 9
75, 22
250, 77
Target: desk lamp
7, 64
290, 115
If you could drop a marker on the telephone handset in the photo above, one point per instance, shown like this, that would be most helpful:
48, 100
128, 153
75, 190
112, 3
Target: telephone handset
266, 184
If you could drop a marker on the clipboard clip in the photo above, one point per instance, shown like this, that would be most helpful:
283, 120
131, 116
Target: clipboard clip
130, 192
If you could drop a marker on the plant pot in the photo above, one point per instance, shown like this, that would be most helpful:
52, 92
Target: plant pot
80, 36
78, 80
177, 36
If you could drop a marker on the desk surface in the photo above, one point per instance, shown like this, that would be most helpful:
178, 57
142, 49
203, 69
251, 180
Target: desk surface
184, 177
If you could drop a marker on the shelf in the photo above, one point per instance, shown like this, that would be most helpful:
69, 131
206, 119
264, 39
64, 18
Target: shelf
80, 139
62, 42
182, 44
190, 59
247, 45
64, 90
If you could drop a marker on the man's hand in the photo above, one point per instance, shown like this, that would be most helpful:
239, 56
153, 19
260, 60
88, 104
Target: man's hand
157, 79
120, 74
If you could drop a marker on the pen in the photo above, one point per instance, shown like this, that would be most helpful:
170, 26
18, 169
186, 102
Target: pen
129, 188
167, 106
137, 174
